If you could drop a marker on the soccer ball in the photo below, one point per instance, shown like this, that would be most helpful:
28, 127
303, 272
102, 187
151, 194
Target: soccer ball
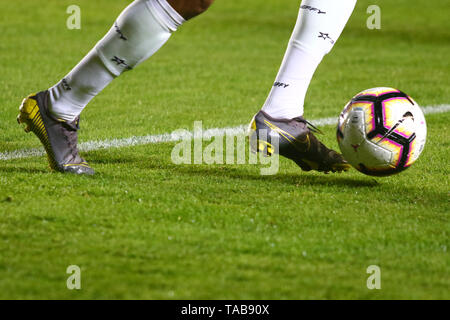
381, 131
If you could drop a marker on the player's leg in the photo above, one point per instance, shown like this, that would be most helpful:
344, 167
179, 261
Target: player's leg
141, 30
319, 25
190, 8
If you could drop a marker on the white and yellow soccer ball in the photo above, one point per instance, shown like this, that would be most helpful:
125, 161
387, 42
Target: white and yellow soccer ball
381, 131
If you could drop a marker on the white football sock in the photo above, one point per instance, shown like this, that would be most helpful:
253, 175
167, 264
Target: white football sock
69, 97
141, 30
319, 25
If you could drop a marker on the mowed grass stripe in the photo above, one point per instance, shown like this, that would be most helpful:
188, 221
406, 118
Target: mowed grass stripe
174, 137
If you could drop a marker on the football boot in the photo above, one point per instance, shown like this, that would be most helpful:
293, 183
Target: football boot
296, 141
58, 137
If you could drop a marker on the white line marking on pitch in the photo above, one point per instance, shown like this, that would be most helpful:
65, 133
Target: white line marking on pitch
173, 137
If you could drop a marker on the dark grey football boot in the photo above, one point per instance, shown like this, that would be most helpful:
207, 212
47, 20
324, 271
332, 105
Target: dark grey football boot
296, 141
59, 137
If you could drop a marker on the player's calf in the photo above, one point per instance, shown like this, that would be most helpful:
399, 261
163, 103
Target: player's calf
190, 8
139, 32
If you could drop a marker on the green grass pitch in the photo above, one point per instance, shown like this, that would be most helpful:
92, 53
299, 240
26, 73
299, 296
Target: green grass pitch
144, 228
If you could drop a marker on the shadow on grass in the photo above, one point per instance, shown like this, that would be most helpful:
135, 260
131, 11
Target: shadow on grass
245, 172
154, 163
302, 178
219, 171
21, 169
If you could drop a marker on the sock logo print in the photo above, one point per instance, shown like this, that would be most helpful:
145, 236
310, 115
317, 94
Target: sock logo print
326, 36
120, 32
65, 85
280, 84
119, 62
312, 9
